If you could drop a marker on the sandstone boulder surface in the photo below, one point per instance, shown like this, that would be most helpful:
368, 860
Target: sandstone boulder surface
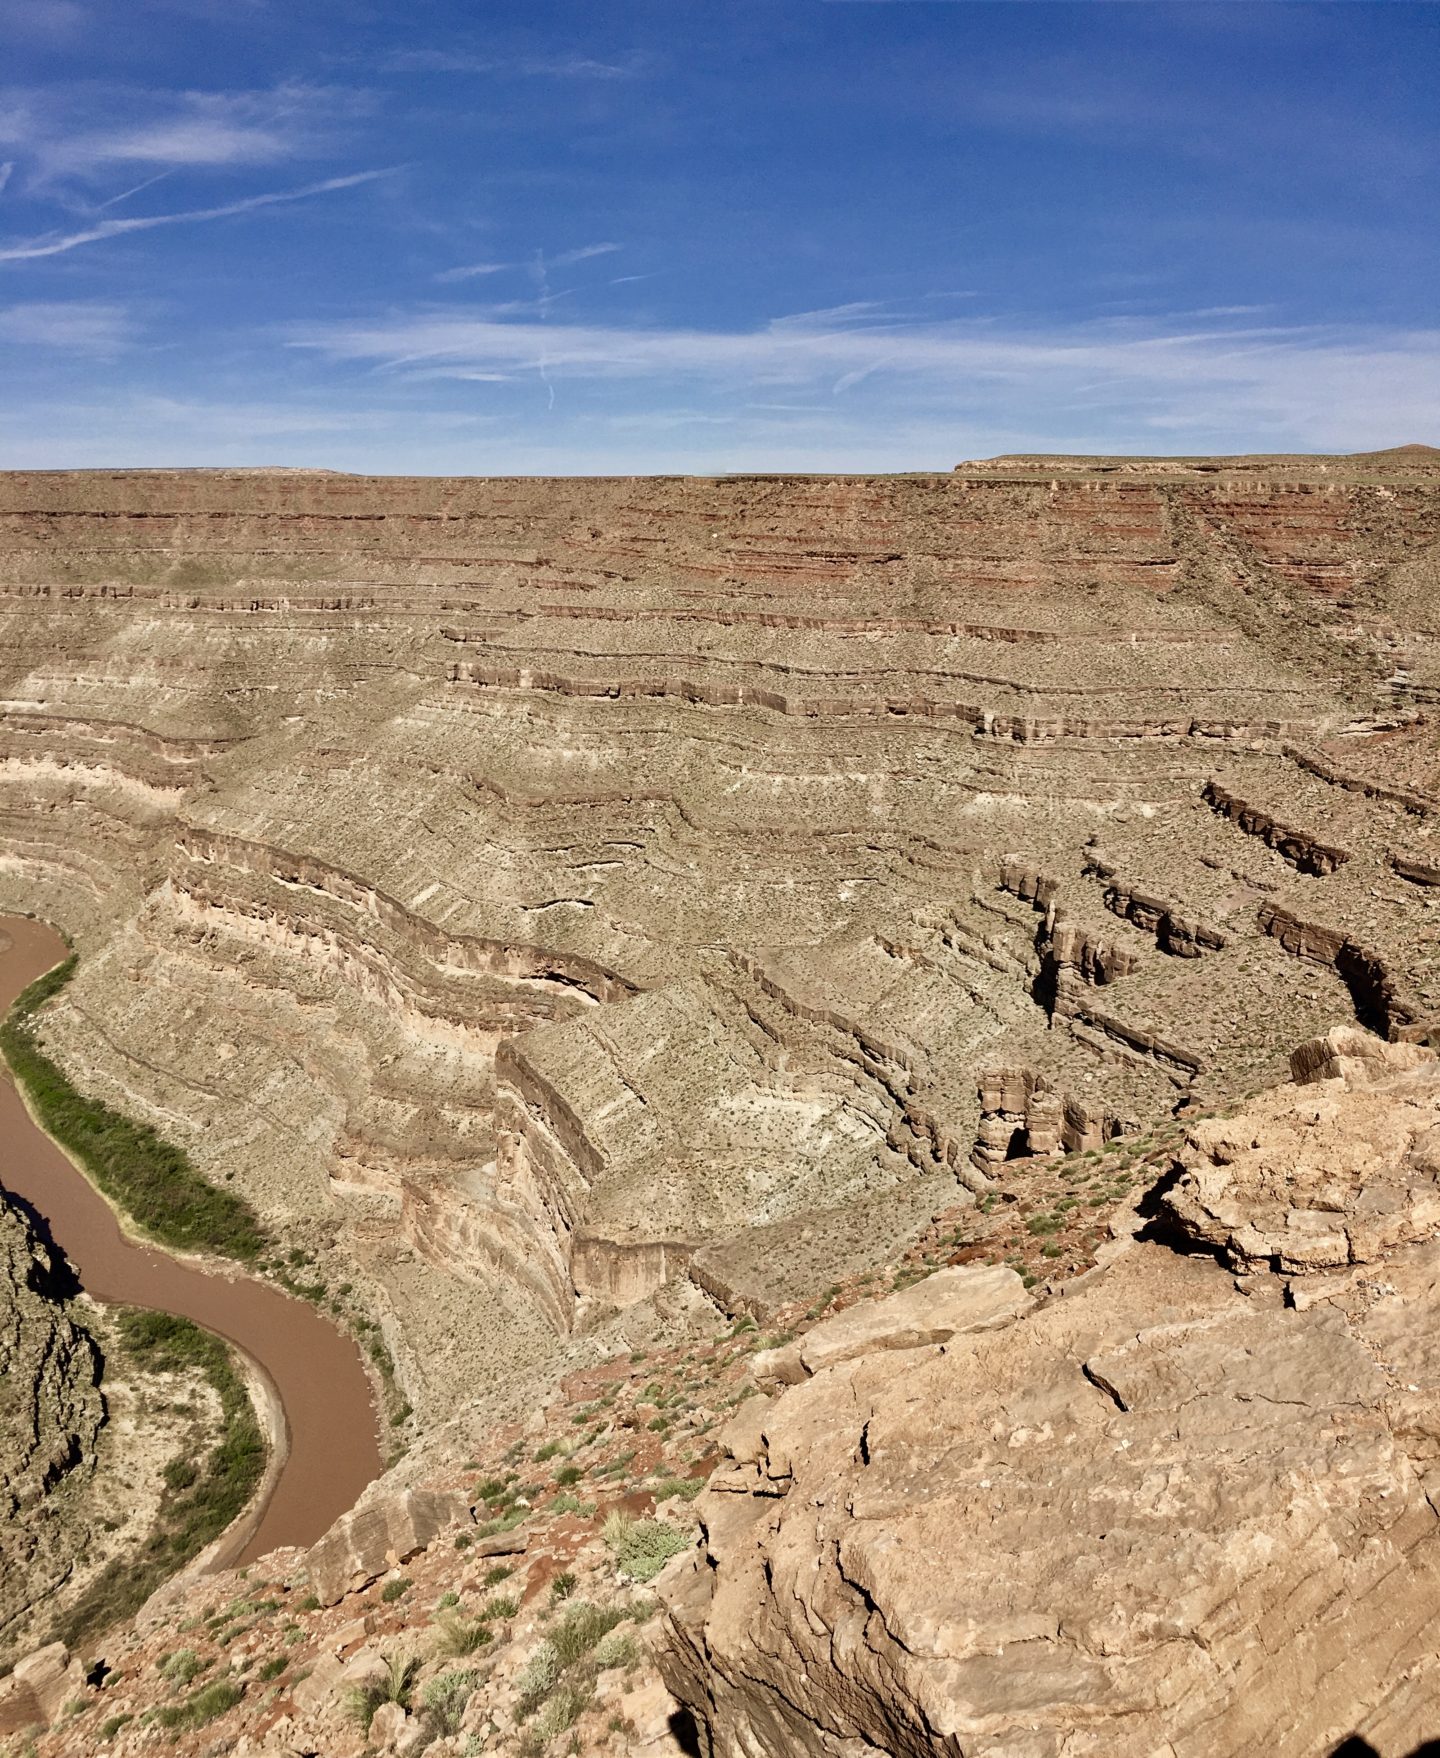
381, 1534
1161, 1515
1319, 1177
942, 1306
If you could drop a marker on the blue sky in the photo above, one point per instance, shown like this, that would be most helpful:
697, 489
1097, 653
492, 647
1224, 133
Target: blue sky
699, 235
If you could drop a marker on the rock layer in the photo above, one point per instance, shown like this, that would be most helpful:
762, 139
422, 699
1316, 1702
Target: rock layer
530, 890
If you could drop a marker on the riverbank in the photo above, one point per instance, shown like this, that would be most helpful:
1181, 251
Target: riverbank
317, 1401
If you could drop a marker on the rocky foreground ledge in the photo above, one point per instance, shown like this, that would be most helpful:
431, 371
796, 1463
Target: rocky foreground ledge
1179, 1513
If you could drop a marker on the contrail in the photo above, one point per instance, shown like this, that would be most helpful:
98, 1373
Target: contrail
38, 247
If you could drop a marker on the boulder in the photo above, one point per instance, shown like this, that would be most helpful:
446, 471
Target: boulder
948, 1304
1157, 1517
379, 1536
1320, 1177
39, 1687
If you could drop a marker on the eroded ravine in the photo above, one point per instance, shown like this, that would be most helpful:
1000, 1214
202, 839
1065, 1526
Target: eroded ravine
311, 1370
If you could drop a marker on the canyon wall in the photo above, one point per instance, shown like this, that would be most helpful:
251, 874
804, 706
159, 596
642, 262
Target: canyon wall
51, 1413
526, 890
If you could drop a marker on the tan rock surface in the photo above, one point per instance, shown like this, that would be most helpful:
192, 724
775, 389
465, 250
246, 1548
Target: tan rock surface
1158, 1516
383, 1533
1322, 1176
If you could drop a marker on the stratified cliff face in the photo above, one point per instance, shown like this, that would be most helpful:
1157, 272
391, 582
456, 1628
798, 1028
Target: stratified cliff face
51, 1413
1172, 1513
545, 884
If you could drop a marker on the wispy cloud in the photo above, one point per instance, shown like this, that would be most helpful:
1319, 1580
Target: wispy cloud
525, 66
60, 140
567, 258
1311, 387
79, 326
7, 171
473, 270
27, 250
536, 267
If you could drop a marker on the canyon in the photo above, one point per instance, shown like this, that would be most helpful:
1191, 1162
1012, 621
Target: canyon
584, 919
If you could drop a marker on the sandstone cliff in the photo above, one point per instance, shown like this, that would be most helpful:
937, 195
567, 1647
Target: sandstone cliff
1168, 1513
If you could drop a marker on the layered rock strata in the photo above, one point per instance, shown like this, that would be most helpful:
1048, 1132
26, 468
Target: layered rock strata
532, 892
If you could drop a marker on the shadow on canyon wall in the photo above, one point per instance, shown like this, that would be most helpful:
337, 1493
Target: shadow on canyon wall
1355, 1747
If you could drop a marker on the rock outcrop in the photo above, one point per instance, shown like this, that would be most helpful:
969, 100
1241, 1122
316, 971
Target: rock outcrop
51, 1413
1163, 1514
382, 1533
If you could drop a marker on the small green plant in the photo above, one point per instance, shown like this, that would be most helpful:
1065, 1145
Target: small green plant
503, 1606
272, 1669
182, 1667
457, 1636
568, 1474
566, 1503
309, 1603
665, 1489
616, 1649
396, 1589
490, 1489
393, 1685
537, 1679
112, 1726
642, 1548
444, 1699
207, 1705
493, 1577
548, 1451
582, 1626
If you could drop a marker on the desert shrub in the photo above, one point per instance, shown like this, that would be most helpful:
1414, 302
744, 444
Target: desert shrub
207, 1705
568, 1474
396, 1589
566, 1503
445, 1697
562, 1709
548, 1451
563, 1585
182, 1667
309, 1603
501, 1572
490, 1490
642, 1548
537, 1679
616, 1649
111, 1727
272, 1669
575, 1634
665, 1489
394, 1685
446, 1601
457, 1636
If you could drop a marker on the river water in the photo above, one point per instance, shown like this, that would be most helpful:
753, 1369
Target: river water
311, 1368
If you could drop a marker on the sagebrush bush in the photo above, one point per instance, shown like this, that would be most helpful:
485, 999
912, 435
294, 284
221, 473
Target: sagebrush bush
642, 1548
445, 1697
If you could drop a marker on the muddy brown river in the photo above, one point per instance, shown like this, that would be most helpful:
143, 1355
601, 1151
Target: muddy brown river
311, 1370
